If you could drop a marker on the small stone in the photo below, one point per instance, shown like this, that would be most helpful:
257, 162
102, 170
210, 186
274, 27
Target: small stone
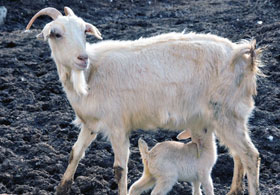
270, 138
275, 166
3, 14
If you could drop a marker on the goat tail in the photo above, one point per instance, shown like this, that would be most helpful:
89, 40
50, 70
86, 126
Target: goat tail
255, 54
248, 48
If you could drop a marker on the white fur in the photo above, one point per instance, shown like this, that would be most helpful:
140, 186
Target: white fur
79, 82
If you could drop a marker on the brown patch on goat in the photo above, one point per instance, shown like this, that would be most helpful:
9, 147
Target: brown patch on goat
71, 156
253, 55
118, 173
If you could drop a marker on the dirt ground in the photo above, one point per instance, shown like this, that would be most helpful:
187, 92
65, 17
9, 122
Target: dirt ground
36, 134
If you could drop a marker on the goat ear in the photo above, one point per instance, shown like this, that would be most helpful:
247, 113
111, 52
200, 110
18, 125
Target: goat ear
92, 30
68, 11
45, 33
40, 36
184, 135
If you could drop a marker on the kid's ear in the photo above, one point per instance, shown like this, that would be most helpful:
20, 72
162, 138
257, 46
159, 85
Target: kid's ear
92, 30
184, 134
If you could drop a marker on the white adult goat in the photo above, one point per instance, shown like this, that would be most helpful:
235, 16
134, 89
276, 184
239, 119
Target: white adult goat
170, 161
172, 81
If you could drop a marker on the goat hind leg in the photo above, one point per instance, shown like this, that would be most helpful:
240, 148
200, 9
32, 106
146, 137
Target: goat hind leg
251, 163
163, 186
144, 183
239, 142
238, 174
84, 140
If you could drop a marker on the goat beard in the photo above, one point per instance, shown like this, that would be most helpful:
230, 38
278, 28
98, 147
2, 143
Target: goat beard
79, 82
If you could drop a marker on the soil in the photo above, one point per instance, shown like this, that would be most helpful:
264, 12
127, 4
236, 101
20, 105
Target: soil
36, 134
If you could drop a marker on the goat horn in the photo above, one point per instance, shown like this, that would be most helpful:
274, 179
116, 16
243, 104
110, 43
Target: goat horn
68, 11
49, 11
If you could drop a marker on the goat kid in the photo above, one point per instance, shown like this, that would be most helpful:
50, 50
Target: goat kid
170, 81
170, 161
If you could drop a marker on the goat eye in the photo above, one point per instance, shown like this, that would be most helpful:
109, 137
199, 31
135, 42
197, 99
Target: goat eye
205, 130
58, 35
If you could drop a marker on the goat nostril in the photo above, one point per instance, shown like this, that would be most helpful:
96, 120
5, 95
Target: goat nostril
83, 57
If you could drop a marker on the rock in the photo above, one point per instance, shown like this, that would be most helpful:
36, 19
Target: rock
275, 166
3, 14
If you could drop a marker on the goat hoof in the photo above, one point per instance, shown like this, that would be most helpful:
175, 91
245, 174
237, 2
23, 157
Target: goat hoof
64, 189
118, 173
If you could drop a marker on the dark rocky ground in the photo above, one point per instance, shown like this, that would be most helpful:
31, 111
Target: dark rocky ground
36, 134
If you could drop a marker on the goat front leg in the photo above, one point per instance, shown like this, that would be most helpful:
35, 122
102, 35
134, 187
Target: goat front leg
207, 185
196, 188
120, 145
237, 180
84, 140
